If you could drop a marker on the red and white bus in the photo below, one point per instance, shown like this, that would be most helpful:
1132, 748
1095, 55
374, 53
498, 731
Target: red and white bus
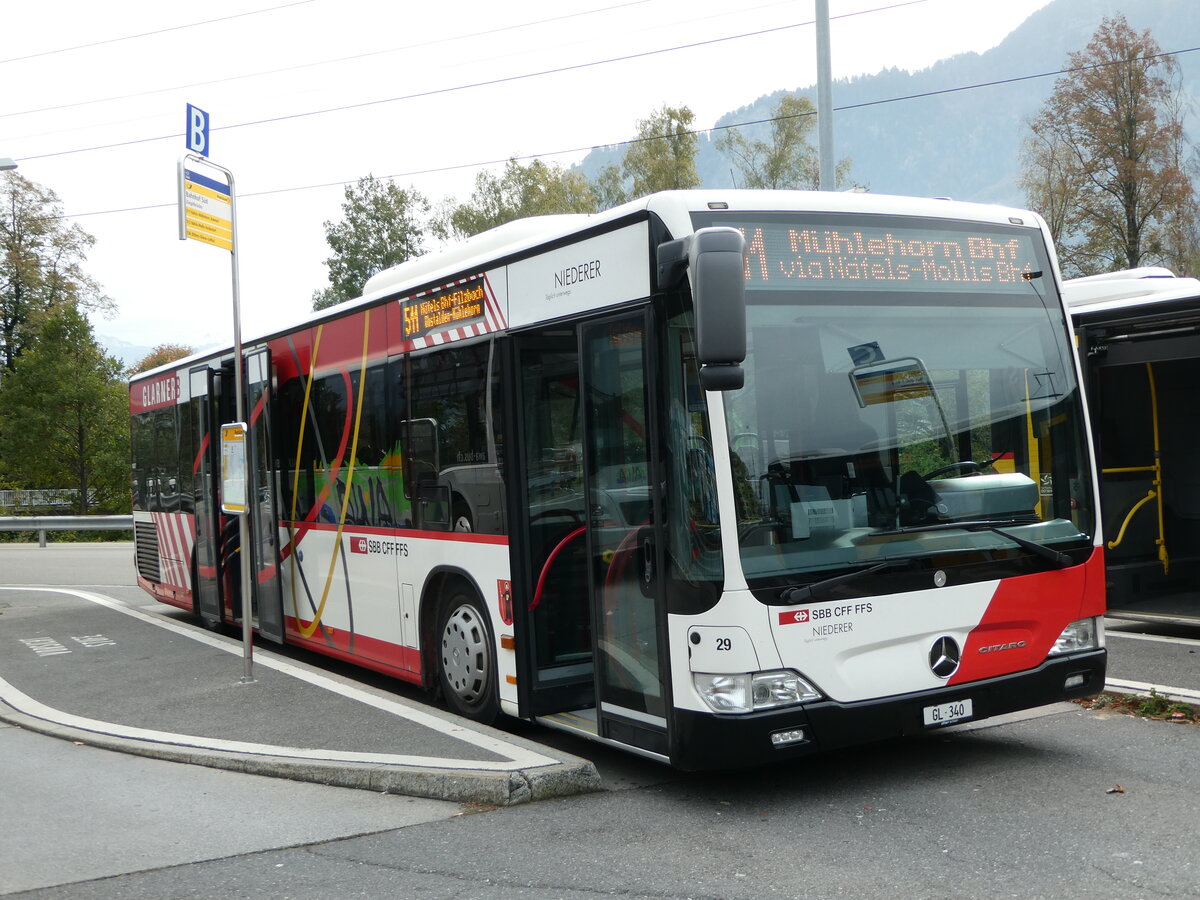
718, 477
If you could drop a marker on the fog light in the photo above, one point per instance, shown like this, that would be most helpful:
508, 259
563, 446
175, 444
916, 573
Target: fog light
1078, 680
784, 738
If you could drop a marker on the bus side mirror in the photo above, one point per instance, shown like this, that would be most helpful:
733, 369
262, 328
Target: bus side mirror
715, 258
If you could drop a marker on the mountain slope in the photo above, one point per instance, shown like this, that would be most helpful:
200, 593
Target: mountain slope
952, 142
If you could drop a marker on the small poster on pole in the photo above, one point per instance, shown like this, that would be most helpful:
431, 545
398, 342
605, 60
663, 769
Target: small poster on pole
233, 468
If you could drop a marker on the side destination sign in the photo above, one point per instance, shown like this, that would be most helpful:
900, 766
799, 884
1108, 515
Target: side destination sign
208, 210
449, 307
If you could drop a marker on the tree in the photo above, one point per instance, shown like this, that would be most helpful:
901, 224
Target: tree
160, 356
40, 265
66, 415
663, 155
538, 189
609, 188
382, 227
1104, 157
787, 160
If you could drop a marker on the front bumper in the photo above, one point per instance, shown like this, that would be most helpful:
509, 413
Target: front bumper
708, 741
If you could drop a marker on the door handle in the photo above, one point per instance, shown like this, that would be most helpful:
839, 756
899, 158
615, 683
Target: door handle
646, 562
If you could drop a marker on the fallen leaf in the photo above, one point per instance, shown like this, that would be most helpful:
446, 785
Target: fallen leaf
1115, 790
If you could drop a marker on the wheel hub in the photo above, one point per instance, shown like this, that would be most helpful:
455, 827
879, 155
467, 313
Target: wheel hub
465, 654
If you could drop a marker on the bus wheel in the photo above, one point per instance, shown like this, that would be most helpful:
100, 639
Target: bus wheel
467, 658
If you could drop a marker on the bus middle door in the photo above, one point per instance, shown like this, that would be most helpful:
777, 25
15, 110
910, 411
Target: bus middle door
264, 518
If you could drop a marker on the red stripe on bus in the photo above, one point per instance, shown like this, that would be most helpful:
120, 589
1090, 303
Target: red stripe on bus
382, 656
1025, 617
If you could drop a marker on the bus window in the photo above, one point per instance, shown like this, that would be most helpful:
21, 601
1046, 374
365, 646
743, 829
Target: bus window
693, 537
451, 452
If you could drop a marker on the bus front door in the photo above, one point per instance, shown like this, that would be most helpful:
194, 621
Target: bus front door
624, 547
206, 475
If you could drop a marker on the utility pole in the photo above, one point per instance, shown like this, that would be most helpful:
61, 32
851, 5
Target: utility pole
824, 99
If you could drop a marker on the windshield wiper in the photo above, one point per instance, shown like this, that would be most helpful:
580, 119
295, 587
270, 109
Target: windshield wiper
965, 524
1058, 558
803, 593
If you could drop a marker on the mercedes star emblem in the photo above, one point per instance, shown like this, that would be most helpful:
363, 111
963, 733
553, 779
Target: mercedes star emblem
944, 657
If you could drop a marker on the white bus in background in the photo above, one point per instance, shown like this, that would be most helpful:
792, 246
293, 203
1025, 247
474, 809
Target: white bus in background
717, 477
1139, 339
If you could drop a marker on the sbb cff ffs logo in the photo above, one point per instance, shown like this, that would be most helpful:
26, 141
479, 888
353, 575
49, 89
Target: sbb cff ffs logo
795, 617
387, 548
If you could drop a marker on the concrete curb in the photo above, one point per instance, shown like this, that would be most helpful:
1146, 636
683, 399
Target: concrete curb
1143, 689
504, 788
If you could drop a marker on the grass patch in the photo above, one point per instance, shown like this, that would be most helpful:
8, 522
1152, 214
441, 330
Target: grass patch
1155, 706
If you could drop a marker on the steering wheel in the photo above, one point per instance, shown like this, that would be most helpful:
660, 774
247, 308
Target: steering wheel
969, 466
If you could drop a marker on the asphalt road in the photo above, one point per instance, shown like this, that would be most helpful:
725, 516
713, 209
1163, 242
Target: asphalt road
1029, 808
1060, 802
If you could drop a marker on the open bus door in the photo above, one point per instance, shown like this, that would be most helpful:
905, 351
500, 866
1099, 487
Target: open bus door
591, 629
264, 520
206, 569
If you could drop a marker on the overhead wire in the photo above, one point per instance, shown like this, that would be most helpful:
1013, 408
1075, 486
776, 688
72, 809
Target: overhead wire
132, 37
325, 62
472, 85
850, 106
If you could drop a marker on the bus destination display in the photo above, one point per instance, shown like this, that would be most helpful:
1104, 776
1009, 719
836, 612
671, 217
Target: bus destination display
853, 257
449, 307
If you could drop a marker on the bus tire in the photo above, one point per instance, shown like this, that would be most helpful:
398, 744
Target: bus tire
466, 656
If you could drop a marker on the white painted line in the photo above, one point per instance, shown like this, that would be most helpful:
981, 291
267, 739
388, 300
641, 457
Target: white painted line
1141, 687
1158, 639
518, 757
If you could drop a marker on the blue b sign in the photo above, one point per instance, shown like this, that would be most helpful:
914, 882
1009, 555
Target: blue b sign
197, 130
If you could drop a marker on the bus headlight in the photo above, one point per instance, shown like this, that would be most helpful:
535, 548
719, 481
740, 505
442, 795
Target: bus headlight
1081, 635
753, 691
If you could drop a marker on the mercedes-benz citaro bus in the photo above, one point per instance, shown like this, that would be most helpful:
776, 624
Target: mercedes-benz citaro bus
717, 477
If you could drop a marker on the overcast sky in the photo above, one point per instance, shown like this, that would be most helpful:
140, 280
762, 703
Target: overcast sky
305, 95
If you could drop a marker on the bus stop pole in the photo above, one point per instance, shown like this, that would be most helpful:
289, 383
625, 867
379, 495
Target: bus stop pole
239, 392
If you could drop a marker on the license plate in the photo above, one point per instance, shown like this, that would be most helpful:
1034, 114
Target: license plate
945, 713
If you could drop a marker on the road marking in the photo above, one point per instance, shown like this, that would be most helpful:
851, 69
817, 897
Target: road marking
45, 646
516, 756
1161, 639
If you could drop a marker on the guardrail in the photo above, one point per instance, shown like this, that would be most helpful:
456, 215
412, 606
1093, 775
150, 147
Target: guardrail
41, 498
42, 524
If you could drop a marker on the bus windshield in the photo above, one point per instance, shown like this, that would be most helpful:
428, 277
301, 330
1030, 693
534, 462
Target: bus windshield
909, 392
